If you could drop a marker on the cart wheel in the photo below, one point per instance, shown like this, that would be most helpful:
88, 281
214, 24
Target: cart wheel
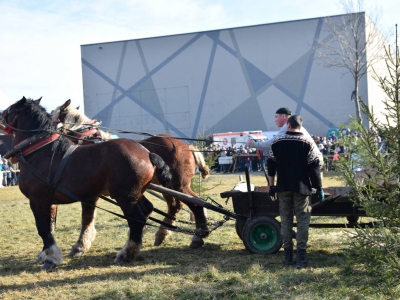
352, 220
262, 235
239, 226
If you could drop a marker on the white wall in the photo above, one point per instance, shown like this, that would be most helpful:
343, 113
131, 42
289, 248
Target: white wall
217, 81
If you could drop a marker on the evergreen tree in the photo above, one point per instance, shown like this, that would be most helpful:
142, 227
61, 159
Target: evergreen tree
376, 188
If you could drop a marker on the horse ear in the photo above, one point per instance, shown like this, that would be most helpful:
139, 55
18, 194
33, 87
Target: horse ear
37, 101
66, 104
77, 108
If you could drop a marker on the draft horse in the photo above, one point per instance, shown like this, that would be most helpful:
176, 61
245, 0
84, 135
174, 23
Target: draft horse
54, 173
181, 158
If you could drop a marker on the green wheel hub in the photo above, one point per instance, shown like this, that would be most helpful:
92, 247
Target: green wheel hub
263, 236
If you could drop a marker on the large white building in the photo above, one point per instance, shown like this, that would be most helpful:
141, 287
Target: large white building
218, 81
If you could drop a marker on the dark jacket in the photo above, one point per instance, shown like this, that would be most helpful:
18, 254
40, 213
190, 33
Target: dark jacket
293, 160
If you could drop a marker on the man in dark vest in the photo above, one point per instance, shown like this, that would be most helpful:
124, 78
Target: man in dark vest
293, 159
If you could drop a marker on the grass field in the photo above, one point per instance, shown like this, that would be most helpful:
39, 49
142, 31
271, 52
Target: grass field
221, 269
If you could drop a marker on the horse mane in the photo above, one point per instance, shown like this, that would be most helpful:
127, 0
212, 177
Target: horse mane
74, 118
38, 118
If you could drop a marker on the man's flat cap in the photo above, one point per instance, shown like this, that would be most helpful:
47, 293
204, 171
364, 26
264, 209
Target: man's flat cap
283, 111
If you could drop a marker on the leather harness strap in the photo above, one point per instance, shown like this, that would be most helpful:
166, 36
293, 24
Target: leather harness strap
61, 166
65, 191
30, 145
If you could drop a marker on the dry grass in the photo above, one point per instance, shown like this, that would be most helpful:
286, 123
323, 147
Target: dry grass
222, 269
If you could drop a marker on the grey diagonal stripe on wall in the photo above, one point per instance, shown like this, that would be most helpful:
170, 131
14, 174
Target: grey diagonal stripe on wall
262, 81
213, 35
106, 116
128, 93
293, 78
234, 121
309, 65
151, 95
125, 94
255, 79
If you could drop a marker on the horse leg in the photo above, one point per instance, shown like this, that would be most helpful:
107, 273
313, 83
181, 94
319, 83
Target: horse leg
51, 254
88, 231
137, 215
174, 207
201, 221
53, 217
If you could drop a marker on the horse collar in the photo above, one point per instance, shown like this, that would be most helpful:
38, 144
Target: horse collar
30, 145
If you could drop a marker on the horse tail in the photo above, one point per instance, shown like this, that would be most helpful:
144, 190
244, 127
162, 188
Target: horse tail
200, 162
163, 171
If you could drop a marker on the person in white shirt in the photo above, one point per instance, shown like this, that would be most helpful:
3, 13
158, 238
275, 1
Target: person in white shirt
281, 117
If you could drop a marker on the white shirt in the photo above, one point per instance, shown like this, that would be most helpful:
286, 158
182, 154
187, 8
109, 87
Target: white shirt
266, 145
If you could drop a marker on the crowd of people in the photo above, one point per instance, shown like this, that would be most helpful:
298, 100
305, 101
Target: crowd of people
335, 146
331, 148
253, 162
10, 173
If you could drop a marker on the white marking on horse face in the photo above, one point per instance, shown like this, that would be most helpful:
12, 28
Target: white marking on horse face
74, 118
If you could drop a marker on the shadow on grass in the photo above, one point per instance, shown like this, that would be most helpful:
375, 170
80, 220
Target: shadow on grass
179, 261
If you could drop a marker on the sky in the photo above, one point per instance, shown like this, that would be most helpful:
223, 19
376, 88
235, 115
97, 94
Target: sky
40, 39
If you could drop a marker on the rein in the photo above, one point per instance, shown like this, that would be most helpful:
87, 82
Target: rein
36, 142
113, 130
87, 132
53, 183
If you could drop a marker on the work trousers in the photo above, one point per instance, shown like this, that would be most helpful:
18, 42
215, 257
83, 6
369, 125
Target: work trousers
291, 204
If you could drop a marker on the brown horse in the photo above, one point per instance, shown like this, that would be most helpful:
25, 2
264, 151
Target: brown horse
119, 168
181, 158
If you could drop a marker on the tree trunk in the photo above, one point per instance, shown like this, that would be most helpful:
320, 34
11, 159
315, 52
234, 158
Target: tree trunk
357, 101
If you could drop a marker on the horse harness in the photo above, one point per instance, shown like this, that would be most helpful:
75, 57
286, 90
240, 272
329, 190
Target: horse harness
36, 142
89, 130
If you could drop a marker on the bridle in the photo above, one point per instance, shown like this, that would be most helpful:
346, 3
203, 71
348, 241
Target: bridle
10, 126
4, 118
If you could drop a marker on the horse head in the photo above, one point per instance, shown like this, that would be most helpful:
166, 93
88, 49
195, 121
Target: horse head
9, 115
71, 117
24, 115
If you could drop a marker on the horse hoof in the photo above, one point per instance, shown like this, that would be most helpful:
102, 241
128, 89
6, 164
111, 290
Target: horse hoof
39, 260
196, 243
119, 260
49, 266
73, 253
158, 241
